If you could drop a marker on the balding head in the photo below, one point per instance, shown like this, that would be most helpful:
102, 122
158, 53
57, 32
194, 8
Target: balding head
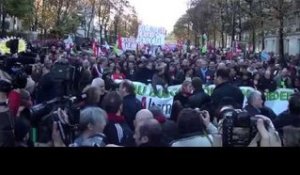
222, 65
142, 115
99, 84
148, 131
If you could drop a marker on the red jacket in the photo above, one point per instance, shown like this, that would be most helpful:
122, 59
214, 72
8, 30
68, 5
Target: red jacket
120, 76
14, 101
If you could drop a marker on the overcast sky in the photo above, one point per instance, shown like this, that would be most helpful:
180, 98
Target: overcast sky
160, 13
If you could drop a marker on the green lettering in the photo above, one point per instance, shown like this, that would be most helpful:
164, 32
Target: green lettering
289, 95
284, 96
152, 94
160, 94
172, 93
274, 96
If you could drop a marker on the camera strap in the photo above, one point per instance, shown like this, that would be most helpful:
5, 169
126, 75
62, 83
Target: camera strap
209, 139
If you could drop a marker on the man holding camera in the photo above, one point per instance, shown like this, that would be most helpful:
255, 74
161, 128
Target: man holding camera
92, 123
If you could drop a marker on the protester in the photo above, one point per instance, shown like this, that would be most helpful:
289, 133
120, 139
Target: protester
117, 75
148, 133
7, 123
194, 128
292, 116
199, 98
142, 115
100, 84
131, 105
14, 97
225, 89
117, 130
92, 123
94, 78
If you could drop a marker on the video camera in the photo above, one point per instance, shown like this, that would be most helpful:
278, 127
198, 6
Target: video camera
43, 115
13, 65
239, 128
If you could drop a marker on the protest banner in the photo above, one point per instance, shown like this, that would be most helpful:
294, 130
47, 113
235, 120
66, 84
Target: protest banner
277, 101
129, 44
151, 35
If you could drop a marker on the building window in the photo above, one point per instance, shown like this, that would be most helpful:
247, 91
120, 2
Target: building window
291, 21
273, 46
287, 46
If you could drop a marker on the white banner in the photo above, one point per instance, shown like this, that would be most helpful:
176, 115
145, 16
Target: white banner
277, 101
129, 44
151, 35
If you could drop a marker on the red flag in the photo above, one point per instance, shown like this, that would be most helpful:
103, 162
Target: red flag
95, 48
120, 42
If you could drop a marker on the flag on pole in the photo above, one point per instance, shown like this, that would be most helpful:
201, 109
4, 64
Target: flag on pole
265, 56
120, 42
95, 48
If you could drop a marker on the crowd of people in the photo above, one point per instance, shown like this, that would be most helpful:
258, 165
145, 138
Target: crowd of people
111, 114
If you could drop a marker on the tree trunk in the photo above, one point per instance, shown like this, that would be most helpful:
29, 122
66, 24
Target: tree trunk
91, 19
196, 40
222, 36
3, 24
14, 24
233, 30
262, 36
101, 31
215, 38
59, 11
253, 39
281, 42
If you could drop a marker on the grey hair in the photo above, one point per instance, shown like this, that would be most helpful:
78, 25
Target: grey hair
91, 115
253, 95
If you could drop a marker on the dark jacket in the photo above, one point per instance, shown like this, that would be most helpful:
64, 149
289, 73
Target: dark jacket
143, 75
47, 84
262, 111
227, 90
207, 77
6, 130
252, 111
182, 99
287, 119
130, 75
131, 105
100, 103
154, 144
198, 99
266, 111
85, 79
118, 132
266, 84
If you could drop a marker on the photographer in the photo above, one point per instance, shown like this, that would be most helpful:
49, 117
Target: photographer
195, 129
6, 120
266, 137
100, 85
92, 123
239, 129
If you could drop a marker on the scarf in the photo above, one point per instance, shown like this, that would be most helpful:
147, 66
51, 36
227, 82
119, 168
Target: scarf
116, 119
